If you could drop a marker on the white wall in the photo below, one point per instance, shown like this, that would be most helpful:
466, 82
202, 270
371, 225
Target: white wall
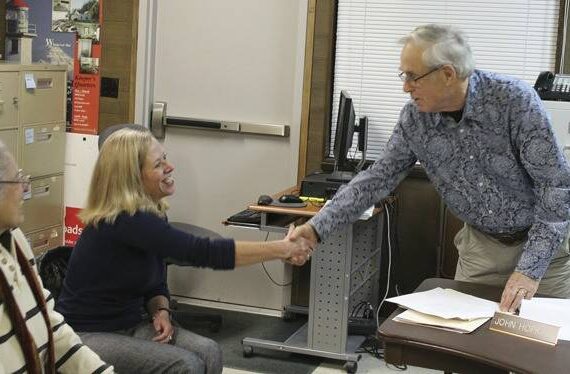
231, 60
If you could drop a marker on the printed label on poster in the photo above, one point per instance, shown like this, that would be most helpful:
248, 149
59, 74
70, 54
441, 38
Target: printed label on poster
86, 89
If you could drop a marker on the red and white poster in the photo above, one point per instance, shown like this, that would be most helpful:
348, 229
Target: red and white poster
81, 153
86, 90
73, 226
86, 57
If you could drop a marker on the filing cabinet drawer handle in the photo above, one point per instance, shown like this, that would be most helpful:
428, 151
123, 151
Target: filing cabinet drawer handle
39, 244
44, 137
41, 190
44, 83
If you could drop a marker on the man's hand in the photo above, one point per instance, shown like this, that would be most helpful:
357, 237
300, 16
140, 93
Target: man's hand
306, 231
299, 248
518, 287
162, 326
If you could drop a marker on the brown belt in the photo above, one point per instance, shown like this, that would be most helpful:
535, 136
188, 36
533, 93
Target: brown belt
510, 238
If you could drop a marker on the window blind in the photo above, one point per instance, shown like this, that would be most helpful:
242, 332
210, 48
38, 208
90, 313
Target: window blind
513, 37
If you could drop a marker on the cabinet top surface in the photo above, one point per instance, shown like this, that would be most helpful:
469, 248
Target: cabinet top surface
12, 66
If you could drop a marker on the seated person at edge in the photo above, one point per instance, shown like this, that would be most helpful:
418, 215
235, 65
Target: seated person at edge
117, 267
33, 337
486, 144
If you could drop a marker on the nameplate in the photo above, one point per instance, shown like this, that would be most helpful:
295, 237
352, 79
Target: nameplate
524, 328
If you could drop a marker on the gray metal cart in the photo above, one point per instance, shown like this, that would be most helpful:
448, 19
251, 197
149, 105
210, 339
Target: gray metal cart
344, 271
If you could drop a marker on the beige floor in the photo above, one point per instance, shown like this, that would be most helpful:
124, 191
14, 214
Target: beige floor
367, 365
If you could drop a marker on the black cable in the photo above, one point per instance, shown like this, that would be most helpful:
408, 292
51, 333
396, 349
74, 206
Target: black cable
272, 280
269, 275
362, 310
356, 309
371, 345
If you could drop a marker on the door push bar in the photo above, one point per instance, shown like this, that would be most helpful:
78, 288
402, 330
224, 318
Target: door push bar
159, 120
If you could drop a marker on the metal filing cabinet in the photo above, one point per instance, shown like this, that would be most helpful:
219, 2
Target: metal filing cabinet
43, 205
9, 89
45, 239
32, 124
10, 138
45, 103
43, 149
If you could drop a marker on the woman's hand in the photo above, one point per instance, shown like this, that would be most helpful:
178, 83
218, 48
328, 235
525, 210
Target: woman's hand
298, 249
162, 326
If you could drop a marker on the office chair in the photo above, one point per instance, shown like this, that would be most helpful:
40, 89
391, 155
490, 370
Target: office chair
212, 320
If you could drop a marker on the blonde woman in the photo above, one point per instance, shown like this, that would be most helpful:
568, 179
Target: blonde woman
33, 337
117, 266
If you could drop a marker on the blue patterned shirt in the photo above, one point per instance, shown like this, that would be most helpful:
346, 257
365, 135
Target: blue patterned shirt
499, 169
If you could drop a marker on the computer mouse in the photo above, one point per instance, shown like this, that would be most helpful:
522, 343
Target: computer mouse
288, 199
264, 200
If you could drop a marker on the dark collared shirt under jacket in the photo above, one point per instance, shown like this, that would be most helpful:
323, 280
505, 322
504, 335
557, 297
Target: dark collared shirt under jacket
499, 169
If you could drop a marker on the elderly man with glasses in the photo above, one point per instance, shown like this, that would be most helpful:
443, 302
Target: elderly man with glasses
486, 144
33, 337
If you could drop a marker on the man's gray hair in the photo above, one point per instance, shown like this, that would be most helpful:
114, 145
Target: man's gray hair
5, 159
443, 45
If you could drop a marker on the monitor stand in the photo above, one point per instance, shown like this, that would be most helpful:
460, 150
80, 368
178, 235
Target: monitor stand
341, 176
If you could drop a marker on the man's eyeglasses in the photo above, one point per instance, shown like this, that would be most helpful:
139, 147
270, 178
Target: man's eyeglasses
412, 78
20, 178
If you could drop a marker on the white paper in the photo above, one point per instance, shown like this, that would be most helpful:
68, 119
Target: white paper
30, 81
29, 136
552, 311
367, 213
453, 324
364, 216
447, 303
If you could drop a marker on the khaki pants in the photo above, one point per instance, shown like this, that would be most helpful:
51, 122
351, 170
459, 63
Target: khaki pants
485, 260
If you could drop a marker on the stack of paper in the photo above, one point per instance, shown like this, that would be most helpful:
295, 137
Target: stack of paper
551, 311
446, 309
452, 324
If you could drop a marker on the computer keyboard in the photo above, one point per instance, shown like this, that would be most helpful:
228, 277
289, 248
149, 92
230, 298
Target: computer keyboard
246, 216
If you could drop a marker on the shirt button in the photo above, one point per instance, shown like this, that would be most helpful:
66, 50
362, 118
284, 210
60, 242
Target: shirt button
4, 261
481, 185
471, 157
11, 268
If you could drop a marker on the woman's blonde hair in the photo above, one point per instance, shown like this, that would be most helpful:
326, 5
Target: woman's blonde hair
116, 185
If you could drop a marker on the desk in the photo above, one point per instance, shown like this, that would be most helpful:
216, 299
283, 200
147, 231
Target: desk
482, 351
344, 271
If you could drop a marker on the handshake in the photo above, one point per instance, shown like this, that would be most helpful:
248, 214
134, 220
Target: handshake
299, 243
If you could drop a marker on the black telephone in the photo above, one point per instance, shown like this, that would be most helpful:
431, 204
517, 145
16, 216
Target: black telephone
553, 86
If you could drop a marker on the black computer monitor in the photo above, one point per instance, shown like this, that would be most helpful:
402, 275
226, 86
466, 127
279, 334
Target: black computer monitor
343, 139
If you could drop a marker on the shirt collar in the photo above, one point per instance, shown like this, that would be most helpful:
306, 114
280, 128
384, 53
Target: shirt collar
6, 239
472, 103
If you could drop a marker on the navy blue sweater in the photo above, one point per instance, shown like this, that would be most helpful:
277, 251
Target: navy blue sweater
116, 268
